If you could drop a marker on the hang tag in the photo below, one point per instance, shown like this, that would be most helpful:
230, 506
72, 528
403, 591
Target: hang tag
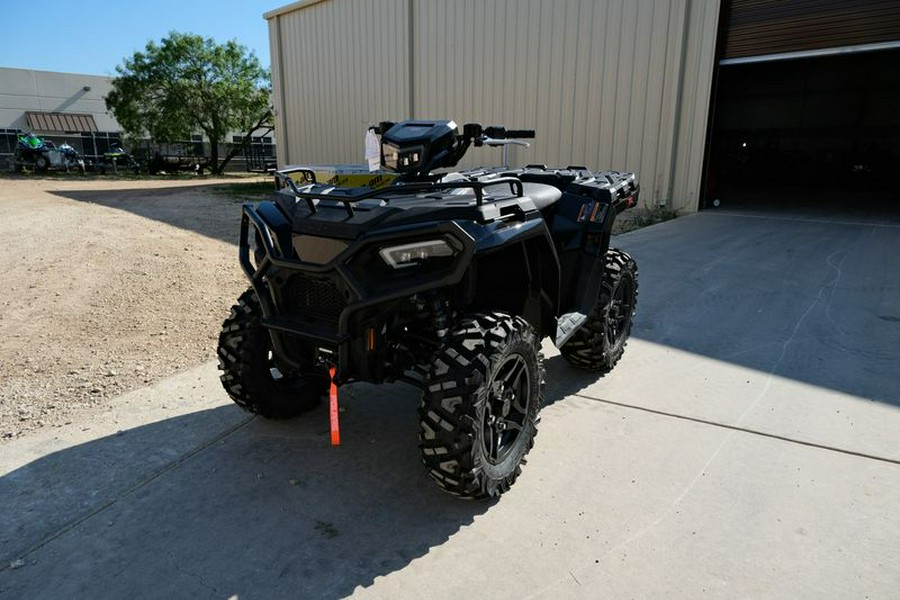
333, 410
373, 150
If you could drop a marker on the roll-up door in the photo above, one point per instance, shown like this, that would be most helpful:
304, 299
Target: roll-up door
804, 111
766, 28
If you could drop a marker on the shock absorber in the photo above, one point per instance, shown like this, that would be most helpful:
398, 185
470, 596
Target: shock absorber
440, 315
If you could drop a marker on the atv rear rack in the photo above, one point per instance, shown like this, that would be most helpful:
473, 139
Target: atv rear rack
314, 191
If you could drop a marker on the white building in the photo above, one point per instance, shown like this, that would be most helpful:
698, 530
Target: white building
65, 106
71, 107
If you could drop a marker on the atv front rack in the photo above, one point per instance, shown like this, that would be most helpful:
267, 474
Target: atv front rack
350, 195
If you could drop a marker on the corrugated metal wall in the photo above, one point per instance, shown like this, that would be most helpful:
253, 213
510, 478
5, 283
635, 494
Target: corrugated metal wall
337, 65
620, 84
692, 106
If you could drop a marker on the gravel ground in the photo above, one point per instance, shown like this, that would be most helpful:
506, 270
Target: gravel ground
106, 286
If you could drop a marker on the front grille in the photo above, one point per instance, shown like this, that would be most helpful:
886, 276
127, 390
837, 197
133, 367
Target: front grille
315, 298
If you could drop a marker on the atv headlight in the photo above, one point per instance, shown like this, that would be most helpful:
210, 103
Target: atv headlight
409, 255
400, 159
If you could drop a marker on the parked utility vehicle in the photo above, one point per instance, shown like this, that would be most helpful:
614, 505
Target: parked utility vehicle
41, 155
445, 280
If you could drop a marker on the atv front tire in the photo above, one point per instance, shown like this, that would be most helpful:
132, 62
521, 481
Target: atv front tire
42, 163
480, 406
249, 373
599, 343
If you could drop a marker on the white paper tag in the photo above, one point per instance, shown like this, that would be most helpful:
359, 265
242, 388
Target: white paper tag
373, 150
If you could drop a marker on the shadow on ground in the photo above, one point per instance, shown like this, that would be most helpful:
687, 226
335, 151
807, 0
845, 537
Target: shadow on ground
811, 296
209, 210
262, 509
218, 503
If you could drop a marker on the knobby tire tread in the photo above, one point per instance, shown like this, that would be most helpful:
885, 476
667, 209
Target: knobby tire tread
453, 403
589, 348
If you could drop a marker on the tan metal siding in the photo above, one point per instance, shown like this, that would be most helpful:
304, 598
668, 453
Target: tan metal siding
619, 84
337, 66
690, 138
278, 83
600, 81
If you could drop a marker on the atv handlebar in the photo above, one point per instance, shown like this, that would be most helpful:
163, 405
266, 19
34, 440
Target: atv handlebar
522, 134
474, 131
501, 133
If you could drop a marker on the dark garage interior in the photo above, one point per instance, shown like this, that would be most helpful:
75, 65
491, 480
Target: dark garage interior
805, 109
807, 131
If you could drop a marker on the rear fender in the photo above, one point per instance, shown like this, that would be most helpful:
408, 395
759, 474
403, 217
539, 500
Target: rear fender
587, 225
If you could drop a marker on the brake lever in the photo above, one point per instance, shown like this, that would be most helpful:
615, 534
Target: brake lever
486, 141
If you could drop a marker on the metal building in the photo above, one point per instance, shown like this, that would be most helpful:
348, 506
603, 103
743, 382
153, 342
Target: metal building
54, 102
664, 88
69, 107
614, 83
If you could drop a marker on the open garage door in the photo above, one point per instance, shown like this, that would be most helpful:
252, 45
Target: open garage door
806, 104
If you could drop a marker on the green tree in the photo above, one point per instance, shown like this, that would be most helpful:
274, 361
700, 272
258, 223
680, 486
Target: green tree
187, 83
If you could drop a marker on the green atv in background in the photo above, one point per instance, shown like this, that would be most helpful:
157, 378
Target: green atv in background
42, 155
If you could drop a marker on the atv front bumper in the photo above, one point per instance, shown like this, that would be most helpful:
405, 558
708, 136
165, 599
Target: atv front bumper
337, 307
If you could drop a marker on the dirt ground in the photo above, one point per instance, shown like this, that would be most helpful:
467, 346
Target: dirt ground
106, 286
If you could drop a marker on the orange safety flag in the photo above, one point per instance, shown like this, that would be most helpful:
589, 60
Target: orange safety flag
333, 410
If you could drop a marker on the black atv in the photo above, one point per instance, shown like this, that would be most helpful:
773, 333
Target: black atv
447, 281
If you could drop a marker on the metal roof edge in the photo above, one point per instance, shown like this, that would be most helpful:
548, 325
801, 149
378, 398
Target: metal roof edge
94, 75
300, 4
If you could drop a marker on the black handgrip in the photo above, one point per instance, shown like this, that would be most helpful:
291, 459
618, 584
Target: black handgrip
520, 133
472, 130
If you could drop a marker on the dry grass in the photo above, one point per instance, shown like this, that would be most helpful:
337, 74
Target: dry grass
638, 218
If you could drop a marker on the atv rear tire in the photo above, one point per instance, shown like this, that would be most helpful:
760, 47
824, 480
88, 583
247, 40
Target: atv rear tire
480, 406
41, 163
599, 343
249, 373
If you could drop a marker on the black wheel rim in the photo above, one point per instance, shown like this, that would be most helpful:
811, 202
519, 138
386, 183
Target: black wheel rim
506, 408
621, 308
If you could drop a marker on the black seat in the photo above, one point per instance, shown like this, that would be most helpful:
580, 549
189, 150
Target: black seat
542, 194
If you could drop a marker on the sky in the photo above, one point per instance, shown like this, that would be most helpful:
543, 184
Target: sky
92, 37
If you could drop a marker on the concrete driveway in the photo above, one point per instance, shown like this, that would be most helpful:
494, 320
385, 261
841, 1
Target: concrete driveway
746, 446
